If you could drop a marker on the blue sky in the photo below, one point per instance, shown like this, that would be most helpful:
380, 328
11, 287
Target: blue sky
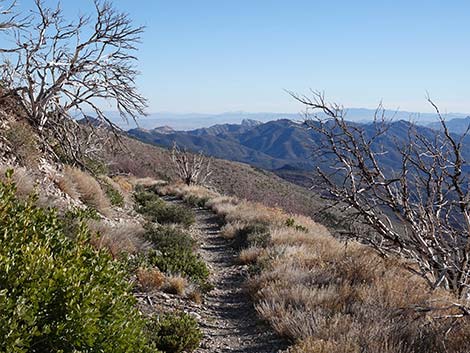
214, 56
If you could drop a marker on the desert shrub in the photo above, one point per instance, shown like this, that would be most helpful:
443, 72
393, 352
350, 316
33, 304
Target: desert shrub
153, 207
290, 222
87, 188
249, 255
123, 183
114, 196
150, 278
24, 142
121, 239
57, 294
24, 181
176, 284
96, 166
195, 200
175, 332
183, 262
195, 295
168, 237
254, 234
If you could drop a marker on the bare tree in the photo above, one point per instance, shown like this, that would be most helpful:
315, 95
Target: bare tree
63, 69
420, 210
192, 168
9, 18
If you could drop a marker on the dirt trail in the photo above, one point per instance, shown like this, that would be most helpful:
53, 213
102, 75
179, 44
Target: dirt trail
227, 316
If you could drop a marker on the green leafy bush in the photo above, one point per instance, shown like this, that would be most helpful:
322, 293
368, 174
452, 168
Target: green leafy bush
178, 261
152, 206
167, 238
175, 333
57, 294
114, 196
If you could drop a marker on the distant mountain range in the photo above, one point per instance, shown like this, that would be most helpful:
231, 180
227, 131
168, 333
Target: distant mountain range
457, 126
193, 121
283, 146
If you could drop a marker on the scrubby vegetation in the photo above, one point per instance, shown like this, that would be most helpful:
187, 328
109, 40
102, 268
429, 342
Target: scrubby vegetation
81, 185
58, 294
120, 240
174, 254
154, 208
330, 296
115, 197
176, 332
173, 247
169, 237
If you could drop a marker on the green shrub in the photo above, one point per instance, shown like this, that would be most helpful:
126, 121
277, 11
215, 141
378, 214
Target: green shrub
96, 166
57, 294
174, 214
196, 200
179, 261
152, 206
256, 234
167, 238
114, 196
290, 222
175, 333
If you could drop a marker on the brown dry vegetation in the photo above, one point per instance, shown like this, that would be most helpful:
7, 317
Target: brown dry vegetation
176, 284
118, 239
81, 185
335, 297
22, 178
150, 278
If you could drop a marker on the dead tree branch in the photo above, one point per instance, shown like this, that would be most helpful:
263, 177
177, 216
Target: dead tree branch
65, 69
419, 209
192, 168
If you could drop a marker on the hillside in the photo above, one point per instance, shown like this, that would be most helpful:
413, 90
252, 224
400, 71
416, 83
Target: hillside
231, 178
282, 146
199, 267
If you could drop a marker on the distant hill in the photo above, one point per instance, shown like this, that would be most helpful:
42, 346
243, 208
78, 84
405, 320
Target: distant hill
272, 145
282, 146
191, 121
457, 125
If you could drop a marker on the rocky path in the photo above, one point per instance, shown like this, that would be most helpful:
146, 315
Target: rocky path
227, 316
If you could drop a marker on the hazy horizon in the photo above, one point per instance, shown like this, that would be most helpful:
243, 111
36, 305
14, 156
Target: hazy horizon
189, 121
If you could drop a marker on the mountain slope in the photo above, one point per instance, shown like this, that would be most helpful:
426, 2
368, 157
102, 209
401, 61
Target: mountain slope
284, 146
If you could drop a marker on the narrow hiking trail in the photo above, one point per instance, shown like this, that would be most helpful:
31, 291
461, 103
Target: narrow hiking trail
227, 316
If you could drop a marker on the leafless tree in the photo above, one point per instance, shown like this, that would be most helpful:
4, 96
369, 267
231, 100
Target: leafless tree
420, 210
65, 69
192, 168
9, 19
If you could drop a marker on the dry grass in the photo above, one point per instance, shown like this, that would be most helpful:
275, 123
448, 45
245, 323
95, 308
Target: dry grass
329, 296
250, 255
146, 182
67, 186
78, 184
176, 284
24, 180
150, 278
124, 184
122, 238
24, 142
230, 230
195, 295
